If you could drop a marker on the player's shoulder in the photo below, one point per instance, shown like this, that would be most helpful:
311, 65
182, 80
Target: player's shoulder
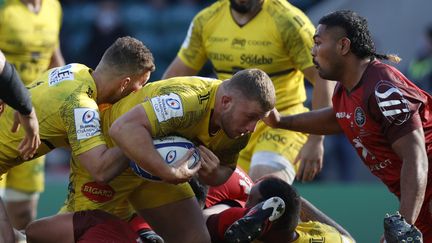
212, 11
285, 13
315, 228
78, 73
53, 3
190, 82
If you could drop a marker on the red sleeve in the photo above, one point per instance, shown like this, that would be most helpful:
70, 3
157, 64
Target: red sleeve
396, 108
217, 224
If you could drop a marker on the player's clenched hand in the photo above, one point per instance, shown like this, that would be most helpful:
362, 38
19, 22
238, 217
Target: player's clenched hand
181, 171
310, 158
209, 162
273, 118
31, 141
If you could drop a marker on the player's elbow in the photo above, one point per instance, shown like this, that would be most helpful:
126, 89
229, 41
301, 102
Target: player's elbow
115, 131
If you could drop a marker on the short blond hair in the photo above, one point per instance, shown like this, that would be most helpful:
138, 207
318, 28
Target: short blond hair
255, 85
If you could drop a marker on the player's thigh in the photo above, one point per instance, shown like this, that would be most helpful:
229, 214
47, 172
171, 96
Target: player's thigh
275, 152
28, 177
172, 211
86, 194
57, 228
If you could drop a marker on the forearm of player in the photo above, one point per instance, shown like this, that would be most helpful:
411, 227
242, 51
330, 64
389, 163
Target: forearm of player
218, 177
309, 212
131, 133
104, 163
6, 231
318, 122
12, 90
178, 68
410, 148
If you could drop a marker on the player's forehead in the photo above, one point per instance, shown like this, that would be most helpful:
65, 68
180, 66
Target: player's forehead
324, 32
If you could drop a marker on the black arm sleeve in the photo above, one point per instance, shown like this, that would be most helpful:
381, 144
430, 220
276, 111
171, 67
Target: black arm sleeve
12, 90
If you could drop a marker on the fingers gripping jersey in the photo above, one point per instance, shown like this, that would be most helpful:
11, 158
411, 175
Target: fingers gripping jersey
29, 39
278, 40
64, 99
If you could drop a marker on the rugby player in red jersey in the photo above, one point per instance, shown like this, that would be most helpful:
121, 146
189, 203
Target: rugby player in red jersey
386, 118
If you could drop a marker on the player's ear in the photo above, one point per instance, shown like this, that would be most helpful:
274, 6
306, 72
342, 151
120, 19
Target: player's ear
344, 45
124, 83
226, 101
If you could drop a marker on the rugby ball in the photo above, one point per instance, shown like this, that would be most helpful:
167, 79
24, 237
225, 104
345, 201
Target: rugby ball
172, 149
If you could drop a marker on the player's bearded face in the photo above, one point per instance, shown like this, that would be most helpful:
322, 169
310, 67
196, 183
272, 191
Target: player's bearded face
244, 6
241, 118
325, 57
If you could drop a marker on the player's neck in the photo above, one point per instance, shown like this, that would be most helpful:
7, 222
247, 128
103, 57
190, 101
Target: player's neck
244, 18
101, 88
353, 72
33, 5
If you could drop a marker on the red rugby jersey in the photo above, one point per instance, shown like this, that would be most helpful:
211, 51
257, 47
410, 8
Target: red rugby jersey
383, 107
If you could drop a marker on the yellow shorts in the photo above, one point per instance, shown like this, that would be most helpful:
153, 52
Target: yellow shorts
28, 177
85, 194
279, 141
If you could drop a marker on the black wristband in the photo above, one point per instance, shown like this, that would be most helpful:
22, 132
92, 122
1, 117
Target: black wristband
12, 90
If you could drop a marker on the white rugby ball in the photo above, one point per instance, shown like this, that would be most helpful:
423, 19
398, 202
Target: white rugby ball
172, 149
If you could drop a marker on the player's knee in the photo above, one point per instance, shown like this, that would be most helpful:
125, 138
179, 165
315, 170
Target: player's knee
268, 163
199, 237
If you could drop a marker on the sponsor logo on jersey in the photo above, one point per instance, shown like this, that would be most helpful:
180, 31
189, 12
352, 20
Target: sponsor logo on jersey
391, 102
238, 43
97, 192
343, 114
253, 59
359, 117
217, 39
87, 123
380, 165
272, 137
244, 181
220, 57
167, 106
59, 75
258, 43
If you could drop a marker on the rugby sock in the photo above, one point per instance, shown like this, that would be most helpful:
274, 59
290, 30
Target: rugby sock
138, 223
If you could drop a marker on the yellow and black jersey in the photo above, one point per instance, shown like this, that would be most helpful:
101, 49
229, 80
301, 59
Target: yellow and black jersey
180, 106
29, 39
278, 40
314, 231
65, 102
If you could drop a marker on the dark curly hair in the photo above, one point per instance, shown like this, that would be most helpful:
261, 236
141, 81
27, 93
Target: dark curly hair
356, 29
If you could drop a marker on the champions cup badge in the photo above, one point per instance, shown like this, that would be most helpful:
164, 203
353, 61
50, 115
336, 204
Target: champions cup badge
359, 117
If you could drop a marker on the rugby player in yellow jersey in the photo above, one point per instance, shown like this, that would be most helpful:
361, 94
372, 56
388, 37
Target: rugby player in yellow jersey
276, 37
218, 115
66, 100
29, 37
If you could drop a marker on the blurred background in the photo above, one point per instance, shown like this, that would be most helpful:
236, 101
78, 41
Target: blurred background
345, 189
